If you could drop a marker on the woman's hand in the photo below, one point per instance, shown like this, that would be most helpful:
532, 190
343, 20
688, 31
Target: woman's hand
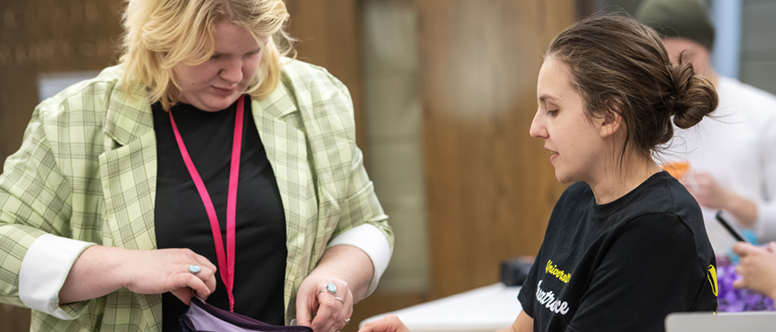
389, 323
331, 310
102, 270
757, 266
167, 270
350, 270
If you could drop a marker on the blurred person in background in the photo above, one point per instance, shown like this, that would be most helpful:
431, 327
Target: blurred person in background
625, 244
123, 202
731, 156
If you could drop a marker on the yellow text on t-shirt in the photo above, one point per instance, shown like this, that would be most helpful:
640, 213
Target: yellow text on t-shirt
552, 269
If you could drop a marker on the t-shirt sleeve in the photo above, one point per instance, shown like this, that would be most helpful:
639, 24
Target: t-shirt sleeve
650, 269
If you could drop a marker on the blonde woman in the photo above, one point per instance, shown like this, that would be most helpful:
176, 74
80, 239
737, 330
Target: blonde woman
205, 164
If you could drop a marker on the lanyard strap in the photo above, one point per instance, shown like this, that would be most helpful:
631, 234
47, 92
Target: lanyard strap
225, 260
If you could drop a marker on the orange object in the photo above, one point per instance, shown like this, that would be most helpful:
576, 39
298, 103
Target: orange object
677, 169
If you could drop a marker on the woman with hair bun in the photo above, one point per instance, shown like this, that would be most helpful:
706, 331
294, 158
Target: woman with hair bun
205, 164
626, 244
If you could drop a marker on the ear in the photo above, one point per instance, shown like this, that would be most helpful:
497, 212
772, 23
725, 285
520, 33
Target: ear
611, 122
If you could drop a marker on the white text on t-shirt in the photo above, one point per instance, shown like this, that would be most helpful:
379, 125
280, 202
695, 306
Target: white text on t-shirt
550, 302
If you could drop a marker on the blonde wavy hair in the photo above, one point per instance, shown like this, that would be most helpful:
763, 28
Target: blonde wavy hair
159, 34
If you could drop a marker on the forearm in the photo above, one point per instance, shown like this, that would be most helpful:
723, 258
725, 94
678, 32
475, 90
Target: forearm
102, 270
371, 241
350, 264
95, 274
523, 323
743, 209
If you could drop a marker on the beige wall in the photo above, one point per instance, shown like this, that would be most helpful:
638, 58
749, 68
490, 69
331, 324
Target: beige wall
394, 117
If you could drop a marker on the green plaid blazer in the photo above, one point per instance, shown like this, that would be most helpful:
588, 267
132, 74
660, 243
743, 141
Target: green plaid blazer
87, 171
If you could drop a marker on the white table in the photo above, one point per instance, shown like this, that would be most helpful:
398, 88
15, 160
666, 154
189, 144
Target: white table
487, 308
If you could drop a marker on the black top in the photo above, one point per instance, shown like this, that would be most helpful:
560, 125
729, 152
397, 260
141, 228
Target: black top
182, 222
621, 266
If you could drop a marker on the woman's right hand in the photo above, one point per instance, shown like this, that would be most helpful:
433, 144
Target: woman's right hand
389, 323
757, 268
167, 270
102, 270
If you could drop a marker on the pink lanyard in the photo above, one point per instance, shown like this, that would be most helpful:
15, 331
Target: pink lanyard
225, 261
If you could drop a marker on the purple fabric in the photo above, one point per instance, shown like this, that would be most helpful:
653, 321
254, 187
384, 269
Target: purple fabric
736, 300
203, 317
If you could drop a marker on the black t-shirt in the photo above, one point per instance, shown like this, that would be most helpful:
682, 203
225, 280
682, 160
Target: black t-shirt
182, 222
621, 266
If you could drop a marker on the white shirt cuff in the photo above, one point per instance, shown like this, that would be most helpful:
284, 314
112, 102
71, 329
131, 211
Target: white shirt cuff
765, 227
44, 270
373, 242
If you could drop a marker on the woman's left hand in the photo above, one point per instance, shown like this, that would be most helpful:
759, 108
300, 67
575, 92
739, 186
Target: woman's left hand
321, 309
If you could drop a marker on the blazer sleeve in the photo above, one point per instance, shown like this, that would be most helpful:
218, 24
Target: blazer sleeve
35, 207
366, 223
362, 221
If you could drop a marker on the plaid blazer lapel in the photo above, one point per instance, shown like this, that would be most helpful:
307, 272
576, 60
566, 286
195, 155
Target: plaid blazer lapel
128, 173
282, 134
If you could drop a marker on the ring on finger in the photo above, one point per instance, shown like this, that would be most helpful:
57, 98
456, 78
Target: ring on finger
194, 268
339, 299
330, 288
347, 320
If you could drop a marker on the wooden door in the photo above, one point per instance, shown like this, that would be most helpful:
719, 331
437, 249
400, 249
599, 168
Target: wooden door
490, 187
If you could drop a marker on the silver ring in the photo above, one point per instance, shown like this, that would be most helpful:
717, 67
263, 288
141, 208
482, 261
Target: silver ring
194, 268
347, 320
339, 299
329, 288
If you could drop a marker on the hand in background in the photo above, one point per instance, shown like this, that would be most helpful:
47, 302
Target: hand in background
706, 190
710, 194
757, 267
321, 310
389, 323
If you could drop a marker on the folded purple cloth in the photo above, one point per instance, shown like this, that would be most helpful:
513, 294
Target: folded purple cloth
203, 317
